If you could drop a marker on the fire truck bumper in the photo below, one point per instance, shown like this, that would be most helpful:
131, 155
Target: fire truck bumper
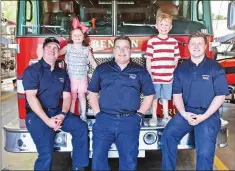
18, 140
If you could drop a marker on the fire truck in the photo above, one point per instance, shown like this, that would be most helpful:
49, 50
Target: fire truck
106, 19
228, 64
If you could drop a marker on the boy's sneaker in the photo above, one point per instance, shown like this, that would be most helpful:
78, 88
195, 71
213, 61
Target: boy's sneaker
166, 120
153, 122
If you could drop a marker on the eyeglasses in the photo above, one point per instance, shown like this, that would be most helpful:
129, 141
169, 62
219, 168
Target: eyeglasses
122, 48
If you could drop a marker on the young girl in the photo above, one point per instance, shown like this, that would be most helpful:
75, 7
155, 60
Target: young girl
77, 56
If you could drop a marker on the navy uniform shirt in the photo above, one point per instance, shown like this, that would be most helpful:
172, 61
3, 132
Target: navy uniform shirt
120, 89
200, 84
50, 84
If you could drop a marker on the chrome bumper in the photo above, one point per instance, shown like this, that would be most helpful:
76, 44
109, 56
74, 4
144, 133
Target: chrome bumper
18, 140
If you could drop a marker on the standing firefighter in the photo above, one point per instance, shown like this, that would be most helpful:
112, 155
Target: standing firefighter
199, 89
44, 84
118, 109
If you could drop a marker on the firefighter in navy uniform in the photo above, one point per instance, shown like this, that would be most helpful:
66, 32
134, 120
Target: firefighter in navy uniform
44, 84
118, 111
199, 89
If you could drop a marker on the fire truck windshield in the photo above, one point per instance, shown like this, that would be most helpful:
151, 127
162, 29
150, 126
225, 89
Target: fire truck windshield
132, 17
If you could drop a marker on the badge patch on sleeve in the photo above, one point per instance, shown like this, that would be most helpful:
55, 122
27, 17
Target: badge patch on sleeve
205, 77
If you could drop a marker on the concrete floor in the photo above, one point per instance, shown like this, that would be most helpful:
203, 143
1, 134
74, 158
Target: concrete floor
227, 154
152, 161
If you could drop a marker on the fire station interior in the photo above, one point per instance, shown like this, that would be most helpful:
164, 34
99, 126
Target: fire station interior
97, 15
133, 17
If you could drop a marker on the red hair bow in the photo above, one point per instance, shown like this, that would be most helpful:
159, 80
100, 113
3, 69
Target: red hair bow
76, 24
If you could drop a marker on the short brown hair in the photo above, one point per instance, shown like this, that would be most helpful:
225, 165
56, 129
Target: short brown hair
197, 34
163, 16
85, 41
122, 37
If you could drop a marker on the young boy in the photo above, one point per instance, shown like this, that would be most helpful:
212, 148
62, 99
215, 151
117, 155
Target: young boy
162, 56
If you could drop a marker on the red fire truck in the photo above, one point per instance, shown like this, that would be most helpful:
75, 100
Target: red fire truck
228, 63
106, 19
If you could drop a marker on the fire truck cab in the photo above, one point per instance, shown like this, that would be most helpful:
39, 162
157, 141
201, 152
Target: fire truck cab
106, 19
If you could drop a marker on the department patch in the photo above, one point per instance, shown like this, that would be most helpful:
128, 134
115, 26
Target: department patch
61, 80
205, 77
132, 76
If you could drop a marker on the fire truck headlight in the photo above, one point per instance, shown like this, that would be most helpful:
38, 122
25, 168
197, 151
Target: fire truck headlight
20, 143
150, 138
60, 139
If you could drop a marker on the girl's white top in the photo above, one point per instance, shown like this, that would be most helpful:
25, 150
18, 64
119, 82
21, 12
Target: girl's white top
76, 59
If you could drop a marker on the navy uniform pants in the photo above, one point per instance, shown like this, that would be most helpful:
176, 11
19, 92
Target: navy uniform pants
124, 132
44, 136
205, 140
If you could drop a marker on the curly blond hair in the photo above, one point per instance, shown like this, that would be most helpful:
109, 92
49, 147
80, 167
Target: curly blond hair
163, 16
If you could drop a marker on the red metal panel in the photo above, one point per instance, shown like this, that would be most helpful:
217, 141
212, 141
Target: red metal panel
21, 108
28, 47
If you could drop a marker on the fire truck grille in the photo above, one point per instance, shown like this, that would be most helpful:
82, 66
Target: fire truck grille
140, 61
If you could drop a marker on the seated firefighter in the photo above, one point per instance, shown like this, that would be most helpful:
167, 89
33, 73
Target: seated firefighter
44, 84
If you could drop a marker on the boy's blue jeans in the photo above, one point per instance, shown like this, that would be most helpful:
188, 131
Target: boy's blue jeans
163, 91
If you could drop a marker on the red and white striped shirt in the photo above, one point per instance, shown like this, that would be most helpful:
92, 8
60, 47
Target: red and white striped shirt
162, 52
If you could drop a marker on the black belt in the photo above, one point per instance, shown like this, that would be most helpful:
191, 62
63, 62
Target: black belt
121, 115
198, 108
28, 109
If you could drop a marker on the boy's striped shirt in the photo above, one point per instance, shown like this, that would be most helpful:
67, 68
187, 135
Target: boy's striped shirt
162, 53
